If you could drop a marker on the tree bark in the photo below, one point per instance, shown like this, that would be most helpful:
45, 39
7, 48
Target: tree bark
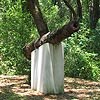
34, 8
54, 37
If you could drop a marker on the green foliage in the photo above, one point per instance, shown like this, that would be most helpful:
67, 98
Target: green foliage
82, 49
55, 16
82, 58
16, 29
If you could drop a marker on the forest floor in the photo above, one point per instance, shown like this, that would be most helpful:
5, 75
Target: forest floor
16, 88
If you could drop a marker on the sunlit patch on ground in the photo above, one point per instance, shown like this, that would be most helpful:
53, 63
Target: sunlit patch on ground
16, 87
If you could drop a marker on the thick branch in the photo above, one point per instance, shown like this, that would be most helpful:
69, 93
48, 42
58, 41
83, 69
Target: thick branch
37, 15
52, 37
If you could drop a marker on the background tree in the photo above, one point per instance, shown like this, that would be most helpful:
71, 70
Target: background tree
94, 13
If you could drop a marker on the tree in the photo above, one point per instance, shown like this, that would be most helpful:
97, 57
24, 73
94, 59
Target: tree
54, 37
18, 28
94, 13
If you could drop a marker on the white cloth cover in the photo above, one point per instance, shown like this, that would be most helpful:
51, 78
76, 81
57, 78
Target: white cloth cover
47, 69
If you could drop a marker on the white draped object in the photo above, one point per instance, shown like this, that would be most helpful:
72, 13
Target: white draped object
47, 69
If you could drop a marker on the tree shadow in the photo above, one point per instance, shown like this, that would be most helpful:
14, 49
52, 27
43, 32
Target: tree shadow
7, 94
17, 88
82, 89
64, 96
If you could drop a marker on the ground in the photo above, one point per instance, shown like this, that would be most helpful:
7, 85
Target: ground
16, 88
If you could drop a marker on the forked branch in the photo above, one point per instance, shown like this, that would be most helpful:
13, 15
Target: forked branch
54, 37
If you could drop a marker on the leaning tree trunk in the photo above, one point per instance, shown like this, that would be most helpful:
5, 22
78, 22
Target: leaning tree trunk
54, 37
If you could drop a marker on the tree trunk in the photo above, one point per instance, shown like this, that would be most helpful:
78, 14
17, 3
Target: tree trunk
94, 13
48, 59
52, 37
34, 8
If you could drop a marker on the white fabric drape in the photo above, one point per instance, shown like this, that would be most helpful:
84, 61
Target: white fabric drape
47, 69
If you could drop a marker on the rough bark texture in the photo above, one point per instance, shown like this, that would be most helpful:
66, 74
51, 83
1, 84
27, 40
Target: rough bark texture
52, 37
34, 8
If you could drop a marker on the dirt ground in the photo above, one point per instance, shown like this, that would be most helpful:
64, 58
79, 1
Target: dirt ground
16, 88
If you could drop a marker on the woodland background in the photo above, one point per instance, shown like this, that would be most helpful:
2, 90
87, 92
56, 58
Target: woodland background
82, 49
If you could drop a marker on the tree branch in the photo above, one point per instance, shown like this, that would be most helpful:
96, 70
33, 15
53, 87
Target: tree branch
54, 37
41, 25
71, 9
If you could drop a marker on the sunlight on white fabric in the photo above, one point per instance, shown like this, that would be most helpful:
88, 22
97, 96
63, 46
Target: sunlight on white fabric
47, 69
